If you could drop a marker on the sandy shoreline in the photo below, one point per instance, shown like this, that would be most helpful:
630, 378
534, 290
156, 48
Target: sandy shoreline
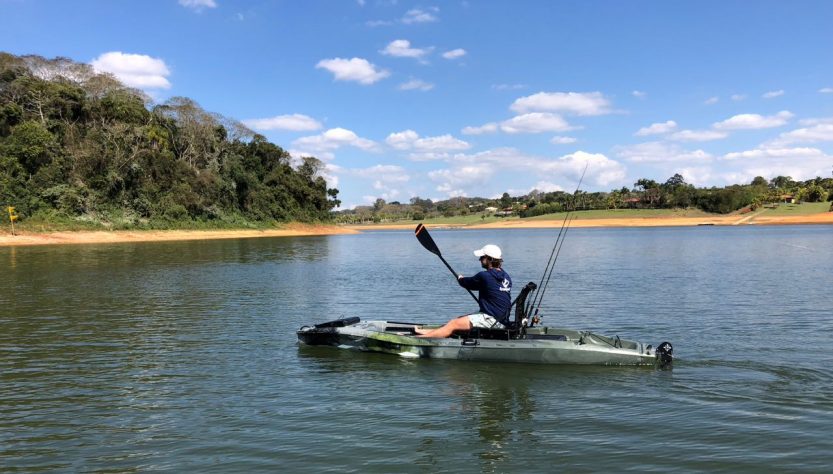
295, 230
100, 237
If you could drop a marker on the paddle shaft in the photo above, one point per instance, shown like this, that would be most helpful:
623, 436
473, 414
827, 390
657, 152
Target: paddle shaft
425, 239
456, 276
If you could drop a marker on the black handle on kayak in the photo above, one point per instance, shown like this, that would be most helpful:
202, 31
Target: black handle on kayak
425, 239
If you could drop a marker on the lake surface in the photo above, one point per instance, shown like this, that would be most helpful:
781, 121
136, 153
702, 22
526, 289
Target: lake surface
182, 356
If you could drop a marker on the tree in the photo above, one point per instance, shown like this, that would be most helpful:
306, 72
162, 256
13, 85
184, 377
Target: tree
32, 145
812, 193
505, 200
759, 181
782, 182
650, 189
675, 181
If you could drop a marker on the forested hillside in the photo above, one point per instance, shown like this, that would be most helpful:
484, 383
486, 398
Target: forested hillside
77, 146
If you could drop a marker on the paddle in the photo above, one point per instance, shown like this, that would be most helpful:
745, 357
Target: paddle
425, 239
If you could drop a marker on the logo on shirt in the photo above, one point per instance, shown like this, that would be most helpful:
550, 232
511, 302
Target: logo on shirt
506, 285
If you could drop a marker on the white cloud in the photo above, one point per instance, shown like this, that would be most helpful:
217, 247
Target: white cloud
410, 140
354, 69
417, 15
454, 53
773, 94
490, 127
826, 90
754, 121
134, 70
820, 132
657, 128
639, 94
700, 175
294, 122
738, 97
450, 181
698, 135
561, 140
508, 87
416, 84
334, 139
800, 163
402, 49
375, 23
577, 103
659, 152
198, 5
791, 153
545, 187
402, 140
712, 100
815, 121
600, 169
440, 143
536, 122
385, 178
329, 174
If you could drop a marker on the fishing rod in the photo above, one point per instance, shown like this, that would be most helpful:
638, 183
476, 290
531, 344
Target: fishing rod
556, 251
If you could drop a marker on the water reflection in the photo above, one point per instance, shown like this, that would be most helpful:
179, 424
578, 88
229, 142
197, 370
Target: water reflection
499, 406
496, 403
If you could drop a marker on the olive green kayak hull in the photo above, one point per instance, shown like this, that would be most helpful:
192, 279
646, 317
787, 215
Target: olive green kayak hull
539, 345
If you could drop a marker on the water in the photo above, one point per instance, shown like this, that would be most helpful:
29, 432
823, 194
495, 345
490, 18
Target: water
182, 356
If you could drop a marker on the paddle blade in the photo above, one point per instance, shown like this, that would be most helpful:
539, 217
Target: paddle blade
425, 239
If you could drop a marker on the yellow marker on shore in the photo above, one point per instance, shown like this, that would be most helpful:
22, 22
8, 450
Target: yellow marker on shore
12, 218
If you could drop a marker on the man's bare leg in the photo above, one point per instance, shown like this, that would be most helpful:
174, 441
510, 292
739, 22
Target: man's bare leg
458, 324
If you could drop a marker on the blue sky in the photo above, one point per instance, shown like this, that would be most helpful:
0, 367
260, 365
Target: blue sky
465, 98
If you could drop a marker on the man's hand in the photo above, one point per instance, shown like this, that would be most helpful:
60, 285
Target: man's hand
460, 277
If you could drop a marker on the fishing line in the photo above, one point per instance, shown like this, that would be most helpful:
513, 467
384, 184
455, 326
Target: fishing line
546, 284
556, 249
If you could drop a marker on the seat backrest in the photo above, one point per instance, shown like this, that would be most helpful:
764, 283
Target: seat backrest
520, 302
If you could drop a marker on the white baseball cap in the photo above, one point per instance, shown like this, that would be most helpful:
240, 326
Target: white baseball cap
490, 250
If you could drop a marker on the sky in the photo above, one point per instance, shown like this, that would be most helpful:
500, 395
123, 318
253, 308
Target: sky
473, 98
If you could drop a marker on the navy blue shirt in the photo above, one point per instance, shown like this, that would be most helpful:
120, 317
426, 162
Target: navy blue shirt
494, 286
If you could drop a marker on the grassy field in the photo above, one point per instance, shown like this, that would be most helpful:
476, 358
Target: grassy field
802, 209
625, 214
471, 219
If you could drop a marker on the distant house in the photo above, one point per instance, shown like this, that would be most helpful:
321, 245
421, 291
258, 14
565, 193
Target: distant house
491, 209
788, 198
632, 202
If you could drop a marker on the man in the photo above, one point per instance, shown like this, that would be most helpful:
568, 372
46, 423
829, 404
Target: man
493, 285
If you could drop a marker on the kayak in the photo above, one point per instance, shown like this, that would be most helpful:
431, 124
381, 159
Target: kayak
538, 345
521, 340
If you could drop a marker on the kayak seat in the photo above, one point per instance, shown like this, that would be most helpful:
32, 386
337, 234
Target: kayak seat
515, 328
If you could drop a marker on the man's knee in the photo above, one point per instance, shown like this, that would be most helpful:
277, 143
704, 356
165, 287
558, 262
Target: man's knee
462, 323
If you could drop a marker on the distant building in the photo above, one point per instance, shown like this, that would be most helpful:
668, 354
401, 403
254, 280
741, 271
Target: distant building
788, 198
491, 209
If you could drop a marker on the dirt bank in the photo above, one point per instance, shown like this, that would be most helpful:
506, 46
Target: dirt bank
98, 237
